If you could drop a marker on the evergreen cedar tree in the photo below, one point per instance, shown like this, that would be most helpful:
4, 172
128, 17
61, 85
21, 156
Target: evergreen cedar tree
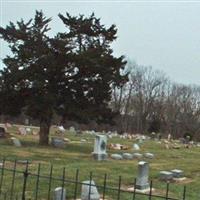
70, 74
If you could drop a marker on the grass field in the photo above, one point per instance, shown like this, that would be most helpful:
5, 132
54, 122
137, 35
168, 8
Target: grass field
77, 155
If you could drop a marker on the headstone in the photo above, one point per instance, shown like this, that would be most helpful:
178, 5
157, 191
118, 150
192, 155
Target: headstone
142, 181
8, 125
22, 130
116, 156
177, 173
72, 129
140, 140
61, 129
153, 135
118, 146
16, 142
35, 132
99, 152
28, 130
57, 142
59, 193
127, 156
83, 140
66, 139
89, 192
166, 175
137, 155
149, 155
24, 162
136, 147
169, 137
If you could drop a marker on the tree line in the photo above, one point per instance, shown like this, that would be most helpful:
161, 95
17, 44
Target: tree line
151, 102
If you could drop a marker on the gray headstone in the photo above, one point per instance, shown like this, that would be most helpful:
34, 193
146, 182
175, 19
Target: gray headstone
127, 156
137, 155
89, 192
59, 193
142, 181
177, 173
166, 175
99, 152
116, 156
72, 129
24, 162
57, 142
149, 155
16, 142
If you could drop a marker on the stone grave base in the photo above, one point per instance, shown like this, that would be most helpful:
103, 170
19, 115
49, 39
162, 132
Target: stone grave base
179, 179
99, 199
97, 156
131, 189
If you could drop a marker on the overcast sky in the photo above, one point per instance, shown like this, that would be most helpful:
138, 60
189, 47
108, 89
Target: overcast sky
163, 34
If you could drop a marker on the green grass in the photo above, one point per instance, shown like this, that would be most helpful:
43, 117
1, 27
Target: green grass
78, 156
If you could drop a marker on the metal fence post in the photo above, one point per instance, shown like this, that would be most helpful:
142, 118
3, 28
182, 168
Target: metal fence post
50, 180
167, 191
63, 183
13, 180
37, 182
119, 188
134, 189
25, 181
184, 192
150, 192
76, 184
2, 174
90, 185
104, 186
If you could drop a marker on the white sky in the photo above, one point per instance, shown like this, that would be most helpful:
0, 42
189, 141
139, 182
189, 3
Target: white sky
164, 34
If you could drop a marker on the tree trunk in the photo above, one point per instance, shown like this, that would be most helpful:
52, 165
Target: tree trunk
44, 133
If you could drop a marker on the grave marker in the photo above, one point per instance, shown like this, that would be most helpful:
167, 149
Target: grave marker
142, 181
99, 152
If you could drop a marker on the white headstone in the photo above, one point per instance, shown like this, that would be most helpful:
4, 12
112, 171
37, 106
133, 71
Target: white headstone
142, 181
28, 130
72, 129
22, 130
16, 142
59, 193
136, 147
89, 191
61, 129
99, 152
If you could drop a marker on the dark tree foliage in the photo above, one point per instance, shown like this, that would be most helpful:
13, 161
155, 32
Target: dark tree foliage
97, 68
70, 74
154, 126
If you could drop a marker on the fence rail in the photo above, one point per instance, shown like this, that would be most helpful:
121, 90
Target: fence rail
26, 185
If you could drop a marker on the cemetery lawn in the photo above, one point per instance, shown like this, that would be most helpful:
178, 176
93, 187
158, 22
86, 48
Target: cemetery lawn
77, 155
